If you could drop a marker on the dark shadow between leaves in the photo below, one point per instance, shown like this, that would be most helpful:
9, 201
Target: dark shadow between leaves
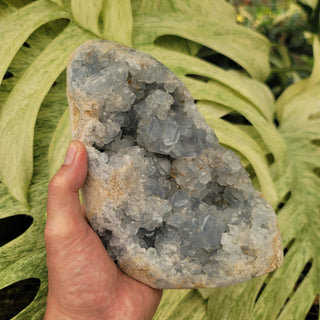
260, 292
288, 247
283, 201
13, 226
314, 312
198, 77
285, 252
270, 158
217, 58
317, 171
316, 142
8, 75
17, 296
302, 276
236, 118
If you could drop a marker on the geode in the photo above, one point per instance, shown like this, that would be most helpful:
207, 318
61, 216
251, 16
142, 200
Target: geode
173, 208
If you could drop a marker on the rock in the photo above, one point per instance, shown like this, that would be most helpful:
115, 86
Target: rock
173, 208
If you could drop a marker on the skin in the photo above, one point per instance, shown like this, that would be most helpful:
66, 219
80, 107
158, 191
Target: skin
84, 282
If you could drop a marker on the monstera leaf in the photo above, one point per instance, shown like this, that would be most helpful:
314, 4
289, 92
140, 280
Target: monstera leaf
282, 156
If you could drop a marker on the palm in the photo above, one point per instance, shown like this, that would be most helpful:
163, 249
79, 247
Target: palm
93, 280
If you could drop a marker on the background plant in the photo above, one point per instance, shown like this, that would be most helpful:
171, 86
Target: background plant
278, 141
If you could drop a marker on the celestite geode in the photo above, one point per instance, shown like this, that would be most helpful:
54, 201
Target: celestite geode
173, 208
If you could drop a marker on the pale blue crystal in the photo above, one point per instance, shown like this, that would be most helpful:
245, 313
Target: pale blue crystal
172, 206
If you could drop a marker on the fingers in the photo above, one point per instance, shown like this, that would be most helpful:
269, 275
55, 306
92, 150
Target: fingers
64, 212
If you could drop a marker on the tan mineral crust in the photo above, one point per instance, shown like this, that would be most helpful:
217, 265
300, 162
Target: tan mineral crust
173, 208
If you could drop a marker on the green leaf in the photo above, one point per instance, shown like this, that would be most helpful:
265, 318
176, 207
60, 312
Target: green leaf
303, 85
216, 10
174, 302
233, 302
24, 257
5, 9
32, 16
115, 14
214, 108
25, 100
59, 143
174, 43
63, 3
222, 36
107, 19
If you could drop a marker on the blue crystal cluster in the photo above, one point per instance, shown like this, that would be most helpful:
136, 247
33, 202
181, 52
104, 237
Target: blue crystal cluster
173, 196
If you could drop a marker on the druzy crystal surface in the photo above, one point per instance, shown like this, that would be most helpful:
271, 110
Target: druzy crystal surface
173, 208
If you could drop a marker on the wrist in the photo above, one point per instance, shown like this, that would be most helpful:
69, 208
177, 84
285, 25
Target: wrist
54, 312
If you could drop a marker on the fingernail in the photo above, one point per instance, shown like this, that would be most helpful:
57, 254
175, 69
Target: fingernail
71, 153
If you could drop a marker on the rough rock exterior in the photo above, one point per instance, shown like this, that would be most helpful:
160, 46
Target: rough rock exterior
173, 208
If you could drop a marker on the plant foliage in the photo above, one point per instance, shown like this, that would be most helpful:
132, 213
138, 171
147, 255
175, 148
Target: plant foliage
36, 40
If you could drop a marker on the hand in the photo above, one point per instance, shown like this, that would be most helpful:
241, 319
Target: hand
84, 282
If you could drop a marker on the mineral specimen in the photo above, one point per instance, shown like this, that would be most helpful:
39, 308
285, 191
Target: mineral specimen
173, 208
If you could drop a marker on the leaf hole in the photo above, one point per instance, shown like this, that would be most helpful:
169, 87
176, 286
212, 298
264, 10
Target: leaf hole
236, 118
198, 77
13, 226
270, 158
17, 296
314, 313
8, 75
217, 58
283, 201
38, 40
288, 247
303, 274
250, 170
282, 308
260, 292
316, 171
316, 142
101, 21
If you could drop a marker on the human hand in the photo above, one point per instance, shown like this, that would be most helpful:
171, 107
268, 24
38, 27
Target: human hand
84, 282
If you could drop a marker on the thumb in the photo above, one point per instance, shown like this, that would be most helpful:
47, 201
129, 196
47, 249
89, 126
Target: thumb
64, 213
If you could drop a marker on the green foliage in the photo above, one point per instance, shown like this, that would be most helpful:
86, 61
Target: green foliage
313, 16
283, 160
288, 24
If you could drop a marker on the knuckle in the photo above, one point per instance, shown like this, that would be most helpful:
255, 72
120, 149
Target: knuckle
57, 185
